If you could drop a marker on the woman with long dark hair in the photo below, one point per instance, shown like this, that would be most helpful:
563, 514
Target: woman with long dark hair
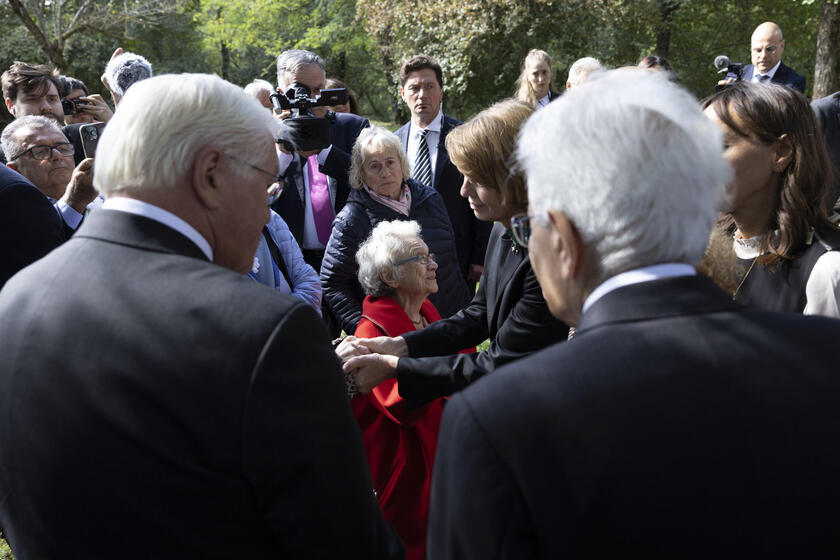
785, 247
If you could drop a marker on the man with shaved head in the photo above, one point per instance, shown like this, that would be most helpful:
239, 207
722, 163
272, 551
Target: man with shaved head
766, 48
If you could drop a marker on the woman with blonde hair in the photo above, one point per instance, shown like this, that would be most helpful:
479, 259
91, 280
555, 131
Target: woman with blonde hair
534, 83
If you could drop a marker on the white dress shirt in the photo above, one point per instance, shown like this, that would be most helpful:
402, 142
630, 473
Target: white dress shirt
158, 214
637, 276
432, 141
770, 73
310, 234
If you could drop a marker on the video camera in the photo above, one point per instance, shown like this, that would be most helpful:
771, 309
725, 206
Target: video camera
308, 132
734, 71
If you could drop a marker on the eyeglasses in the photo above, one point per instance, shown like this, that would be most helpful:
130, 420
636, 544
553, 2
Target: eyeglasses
275, 189
425, 260
769, 49
520, 227
44, 152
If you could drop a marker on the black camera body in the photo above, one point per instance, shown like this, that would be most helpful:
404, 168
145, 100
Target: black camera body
72, 106
308, 132
734, 71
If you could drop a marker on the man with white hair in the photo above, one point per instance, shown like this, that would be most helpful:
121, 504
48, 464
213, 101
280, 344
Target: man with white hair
766, 48
37, 148
581, 70
156, 402
676, 422
261, 90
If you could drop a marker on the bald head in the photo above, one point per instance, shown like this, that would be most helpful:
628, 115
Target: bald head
766, 46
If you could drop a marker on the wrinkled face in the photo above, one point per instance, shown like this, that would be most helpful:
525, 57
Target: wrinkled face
766, 49
417, 279
382, 172
544, 261
245, 212
486, 203
81, 116
754, 183
50, 175
40, 101
312, 76
423, 94
539, 77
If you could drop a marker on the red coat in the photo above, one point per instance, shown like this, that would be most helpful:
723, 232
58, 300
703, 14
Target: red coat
400, 445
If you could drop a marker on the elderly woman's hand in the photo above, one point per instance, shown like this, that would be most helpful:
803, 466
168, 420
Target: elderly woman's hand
384, 345
349, 347
371, 370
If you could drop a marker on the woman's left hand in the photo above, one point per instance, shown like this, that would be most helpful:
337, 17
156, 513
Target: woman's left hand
371, 370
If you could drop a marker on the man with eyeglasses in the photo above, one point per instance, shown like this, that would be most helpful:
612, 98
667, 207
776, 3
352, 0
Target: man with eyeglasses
766, 48
151, 392
36, 148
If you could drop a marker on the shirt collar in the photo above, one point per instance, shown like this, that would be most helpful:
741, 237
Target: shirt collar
158, 214
770, 73
434, 126
636, 276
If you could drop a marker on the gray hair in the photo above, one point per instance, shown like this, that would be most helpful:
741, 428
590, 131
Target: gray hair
374, 138
163, 122
293, 60
582, 68
640, 187
385, 246
35, 122
125, 70
257, 86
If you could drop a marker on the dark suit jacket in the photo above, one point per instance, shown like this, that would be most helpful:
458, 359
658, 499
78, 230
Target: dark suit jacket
29, 225
785, 75
827, 111
508, 308
165, 407
471, 234
675, 424
344, 130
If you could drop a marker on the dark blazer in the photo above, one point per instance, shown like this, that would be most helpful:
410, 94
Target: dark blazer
785, 75
29, 225
344, 130
165, 407
675, 424
352, 226
471, 234
508, 308
827, 111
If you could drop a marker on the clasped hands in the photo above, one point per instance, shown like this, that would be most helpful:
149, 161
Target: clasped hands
370, 361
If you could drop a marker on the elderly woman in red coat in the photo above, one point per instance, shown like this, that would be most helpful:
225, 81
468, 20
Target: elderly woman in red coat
398, 273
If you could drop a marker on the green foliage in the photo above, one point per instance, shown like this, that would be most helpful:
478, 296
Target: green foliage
5, 551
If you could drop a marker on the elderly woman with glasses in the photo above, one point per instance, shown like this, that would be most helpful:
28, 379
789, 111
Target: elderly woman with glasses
382, 191
398, 273
509, 307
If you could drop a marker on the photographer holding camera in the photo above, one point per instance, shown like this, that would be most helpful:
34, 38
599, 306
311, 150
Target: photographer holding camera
316, 181
80, 107
766, 48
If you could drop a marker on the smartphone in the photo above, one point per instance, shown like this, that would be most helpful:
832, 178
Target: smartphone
90, 134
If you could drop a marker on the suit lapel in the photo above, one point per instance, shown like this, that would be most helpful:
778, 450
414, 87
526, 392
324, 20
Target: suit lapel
402, 134
137, 231
442, 154
683, 295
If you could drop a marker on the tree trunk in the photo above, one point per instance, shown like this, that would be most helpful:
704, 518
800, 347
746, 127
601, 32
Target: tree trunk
827, 67
54, 50
663, 29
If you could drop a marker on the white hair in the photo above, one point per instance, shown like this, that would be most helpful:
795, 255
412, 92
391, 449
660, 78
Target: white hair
257, 86
631, 160
582, 68
292, 61
11, 146
125, 70
370, 139
152, 140
385, 246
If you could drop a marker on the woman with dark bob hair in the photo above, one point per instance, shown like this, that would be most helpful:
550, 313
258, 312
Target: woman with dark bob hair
508, 308
382, 192
776, 223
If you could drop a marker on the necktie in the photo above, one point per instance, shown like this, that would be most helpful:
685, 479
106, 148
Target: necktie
319, 195
422, 163
763, 78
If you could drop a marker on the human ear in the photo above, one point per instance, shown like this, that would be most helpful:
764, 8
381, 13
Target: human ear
387, 276
783, 153
205, 177
10, 105
566, 241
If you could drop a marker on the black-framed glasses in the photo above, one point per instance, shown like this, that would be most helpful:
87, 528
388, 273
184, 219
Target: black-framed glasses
44, 152
275, 189
425, 259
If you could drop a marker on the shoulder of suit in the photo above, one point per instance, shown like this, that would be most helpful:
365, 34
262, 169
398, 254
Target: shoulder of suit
451, 122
